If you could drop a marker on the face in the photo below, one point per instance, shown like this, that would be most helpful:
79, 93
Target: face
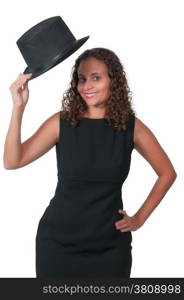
93, 82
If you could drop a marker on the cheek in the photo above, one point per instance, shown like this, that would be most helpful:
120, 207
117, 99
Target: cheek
78, 88
107, 89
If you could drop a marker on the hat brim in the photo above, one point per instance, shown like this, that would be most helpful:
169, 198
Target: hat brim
57, 59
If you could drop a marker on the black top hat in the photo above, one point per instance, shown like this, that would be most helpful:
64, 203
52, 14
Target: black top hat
47, 44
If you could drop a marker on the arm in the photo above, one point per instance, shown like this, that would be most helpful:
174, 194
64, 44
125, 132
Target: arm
148, 146
17, 155
12, 147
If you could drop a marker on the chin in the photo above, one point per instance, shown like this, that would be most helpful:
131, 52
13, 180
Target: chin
91, 101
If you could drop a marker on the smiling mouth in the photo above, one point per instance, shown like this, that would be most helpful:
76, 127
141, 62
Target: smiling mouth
90, 95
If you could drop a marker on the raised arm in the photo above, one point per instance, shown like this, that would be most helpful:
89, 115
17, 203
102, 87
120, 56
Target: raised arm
38, 144
17, 154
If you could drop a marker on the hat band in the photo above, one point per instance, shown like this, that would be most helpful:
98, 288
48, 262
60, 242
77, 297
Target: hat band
52, 61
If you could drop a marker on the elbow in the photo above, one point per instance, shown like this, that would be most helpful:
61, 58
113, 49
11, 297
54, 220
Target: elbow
171, 176
8, 167
174, 176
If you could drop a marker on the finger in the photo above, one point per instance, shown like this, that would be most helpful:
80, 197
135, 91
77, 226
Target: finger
121, 211
29, 75
18, 85
23, 86
120, 224
124, 226
20, 81
125, 230
24, 76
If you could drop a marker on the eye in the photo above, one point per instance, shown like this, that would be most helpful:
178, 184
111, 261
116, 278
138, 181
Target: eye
79, 79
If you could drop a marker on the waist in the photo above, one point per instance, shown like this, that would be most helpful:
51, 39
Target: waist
91, 178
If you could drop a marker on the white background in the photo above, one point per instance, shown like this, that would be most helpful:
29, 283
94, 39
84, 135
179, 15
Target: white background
148, 38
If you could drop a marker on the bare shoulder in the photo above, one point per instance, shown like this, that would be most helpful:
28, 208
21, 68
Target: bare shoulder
144, 139
143, 134
147, 144
56, 123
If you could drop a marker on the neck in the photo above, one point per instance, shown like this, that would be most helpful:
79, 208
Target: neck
94, 115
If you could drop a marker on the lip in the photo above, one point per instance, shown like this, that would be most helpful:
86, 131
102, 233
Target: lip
90, 95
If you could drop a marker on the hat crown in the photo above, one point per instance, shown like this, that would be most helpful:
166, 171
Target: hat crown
48, 37
47, 43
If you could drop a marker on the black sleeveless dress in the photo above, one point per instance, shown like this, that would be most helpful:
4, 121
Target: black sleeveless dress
76, 236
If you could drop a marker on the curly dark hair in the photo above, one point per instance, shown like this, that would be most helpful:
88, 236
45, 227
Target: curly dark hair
118, 106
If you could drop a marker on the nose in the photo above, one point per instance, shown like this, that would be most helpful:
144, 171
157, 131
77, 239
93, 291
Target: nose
87, 85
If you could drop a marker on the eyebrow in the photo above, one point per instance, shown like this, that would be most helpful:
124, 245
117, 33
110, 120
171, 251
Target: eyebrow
91, 73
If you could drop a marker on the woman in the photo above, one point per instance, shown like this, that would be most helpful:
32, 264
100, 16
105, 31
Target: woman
84, 231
